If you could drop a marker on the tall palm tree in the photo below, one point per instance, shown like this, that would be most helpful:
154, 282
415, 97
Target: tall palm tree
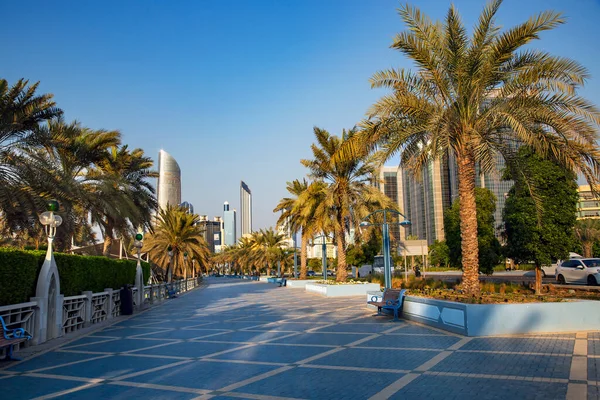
292, 219
266, 245
123, 198
21, 111
477, 97
587, 231
349, 194
178, 229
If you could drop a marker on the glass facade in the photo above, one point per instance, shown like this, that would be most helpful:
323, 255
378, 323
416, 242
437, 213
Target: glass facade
246, 209
168, 189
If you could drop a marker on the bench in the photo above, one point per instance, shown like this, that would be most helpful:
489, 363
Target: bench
392, 300
282, 282
9, 338
172, 292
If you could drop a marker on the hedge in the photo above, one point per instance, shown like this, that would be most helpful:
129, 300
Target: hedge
19, 270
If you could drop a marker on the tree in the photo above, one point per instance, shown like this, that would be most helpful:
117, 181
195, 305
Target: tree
348, 195
488, 246
181, 231
439, 254
540, 211
587, 230
266, 246
475, 97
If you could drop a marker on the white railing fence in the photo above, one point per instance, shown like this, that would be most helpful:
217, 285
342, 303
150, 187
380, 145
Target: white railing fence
86, 309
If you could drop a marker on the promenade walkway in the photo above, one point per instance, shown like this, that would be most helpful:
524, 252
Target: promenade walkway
241, 339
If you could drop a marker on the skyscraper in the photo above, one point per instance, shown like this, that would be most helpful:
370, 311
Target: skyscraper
246, 209
168, 189
229, 217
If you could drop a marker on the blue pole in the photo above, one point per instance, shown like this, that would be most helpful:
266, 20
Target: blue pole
386, 257
295, 258
324, 257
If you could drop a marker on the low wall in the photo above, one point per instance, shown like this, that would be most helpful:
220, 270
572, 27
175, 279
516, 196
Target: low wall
297, 283
503, 319
341, 290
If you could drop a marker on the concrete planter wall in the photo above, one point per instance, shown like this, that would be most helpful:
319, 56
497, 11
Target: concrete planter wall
503, 319
341, 290
297, 283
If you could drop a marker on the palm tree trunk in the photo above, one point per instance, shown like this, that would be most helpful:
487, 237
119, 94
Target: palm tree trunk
108, 237
341, 273
587, 248
538, 279
468, 222
303, 240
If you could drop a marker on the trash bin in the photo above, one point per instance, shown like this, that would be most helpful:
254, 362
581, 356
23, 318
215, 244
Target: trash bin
126, 300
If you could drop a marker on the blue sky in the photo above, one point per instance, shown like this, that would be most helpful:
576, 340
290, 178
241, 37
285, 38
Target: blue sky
232, 89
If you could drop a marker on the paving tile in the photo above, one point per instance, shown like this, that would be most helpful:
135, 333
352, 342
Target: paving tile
127, 331
438, 387
229, 325
288, 326
377, 358
110, 367
88, 340
593, 392
26, 387
49, 360
245, 336
182, 334
506, 364
120, 346
593, 369
188, 349
529, 345
593, 347
204, 374
412, 342
417, 330
117, 392
316, 383
326, 339
274, 354
356, 328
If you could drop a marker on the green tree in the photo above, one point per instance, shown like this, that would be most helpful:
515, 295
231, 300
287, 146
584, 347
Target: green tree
540, 211
439, 254
473, 96
488, 246
587, 230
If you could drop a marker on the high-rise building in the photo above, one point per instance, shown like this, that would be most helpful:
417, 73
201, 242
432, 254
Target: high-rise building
168, 189
229, 225
390, 184
246, 209
188, 207
211, 232
588, 205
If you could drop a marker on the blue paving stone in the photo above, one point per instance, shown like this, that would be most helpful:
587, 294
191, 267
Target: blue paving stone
120, 346
272, 353
182, 334
356, 328
245, 336
87, 340
377, 358
411, 342
167, 324
128, 331
327, 339
49, 360
529, 345
506, 364
417, 330
593, 347
25, 387
593, 335
316, 383
593, 369
229, 325
203, 374
439, 387
593, 392
110, 367
288, 326
118, 392
137, 321
188, 349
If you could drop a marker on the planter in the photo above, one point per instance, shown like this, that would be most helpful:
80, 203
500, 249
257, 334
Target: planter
341, 290
297, 283
503, 319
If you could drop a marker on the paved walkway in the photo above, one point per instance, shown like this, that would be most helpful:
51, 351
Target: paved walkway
240, 339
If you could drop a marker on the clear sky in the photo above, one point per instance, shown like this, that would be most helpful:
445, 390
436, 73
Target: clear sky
232, 89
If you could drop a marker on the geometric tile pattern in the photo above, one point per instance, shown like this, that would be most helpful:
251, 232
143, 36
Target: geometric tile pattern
234, 339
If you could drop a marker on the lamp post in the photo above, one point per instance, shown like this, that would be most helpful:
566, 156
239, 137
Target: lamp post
139, 276
387, 262
170, 271
295, 258
323, 254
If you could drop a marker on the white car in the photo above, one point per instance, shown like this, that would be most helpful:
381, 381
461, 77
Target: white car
579, 270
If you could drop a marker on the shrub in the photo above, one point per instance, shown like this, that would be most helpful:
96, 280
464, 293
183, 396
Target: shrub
19, 270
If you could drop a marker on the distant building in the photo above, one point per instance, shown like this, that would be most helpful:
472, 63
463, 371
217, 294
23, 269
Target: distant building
229, 225
188, 207
315, 248
246, 209
168, 189
211, 232
588, 205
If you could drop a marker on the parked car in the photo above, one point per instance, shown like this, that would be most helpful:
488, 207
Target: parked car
311, 273
579, 270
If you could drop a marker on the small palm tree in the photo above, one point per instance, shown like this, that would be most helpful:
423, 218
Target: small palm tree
587, 231
180, 231
477, 97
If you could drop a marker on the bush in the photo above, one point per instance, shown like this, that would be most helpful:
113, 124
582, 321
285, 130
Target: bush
19, 270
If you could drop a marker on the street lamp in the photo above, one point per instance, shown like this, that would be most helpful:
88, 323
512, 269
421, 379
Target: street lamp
139, 276
170, 272
387, 262
50, 220
324, 254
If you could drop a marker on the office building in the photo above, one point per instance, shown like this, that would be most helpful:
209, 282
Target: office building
246, 209
229, 225
211, 231
588, 205
188, 207
168, 189
390, 184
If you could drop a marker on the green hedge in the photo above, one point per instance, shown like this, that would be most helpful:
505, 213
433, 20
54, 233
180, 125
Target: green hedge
19, 270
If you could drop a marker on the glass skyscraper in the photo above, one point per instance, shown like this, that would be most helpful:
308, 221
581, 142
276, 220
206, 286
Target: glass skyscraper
229, 222
246, 209
168, 189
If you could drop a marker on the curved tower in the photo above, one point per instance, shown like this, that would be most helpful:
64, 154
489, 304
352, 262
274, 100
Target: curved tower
168, 190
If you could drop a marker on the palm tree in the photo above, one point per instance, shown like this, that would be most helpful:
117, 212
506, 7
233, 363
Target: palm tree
266, 245
349, 194
123, 198
479, 97
291, 219
181, 231
587, 231
21, 111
